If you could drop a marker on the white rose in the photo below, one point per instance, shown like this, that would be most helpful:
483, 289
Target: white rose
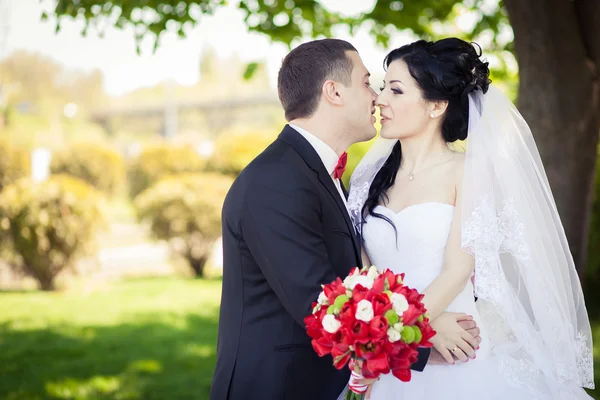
364, 311
330, 323
399, 303
393, 335
354, 280
322, 298
372, 274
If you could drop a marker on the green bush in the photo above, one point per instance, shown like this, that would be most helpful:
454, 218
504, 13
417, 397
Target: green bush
101, 167
186, 211
355, 153
14, 163
234, 151
45, 226
161, 161
592, 269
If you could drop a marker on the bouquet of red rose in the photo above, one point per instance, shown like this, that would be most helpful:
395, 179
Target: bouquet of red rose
373, 320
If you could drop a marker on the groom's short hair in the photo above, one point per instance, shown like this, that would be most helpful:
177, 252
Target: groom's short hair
306, 68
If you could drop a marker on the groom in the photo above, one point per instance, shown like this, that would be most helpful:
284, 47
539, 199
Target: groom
286, 231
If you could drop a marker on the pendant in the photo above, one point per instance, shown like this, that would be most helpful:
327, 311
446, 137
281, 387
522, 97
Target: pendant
411, 177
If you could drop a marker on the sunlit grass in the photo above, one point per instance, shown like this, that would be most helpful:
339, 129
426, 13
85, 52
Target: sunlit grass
143, 339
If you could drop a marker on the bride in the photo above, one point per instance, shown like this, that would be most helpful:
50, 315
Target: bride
476, 232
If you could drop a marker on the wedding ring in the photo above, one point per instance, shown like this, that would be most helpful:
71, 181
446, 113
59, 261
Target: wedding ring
454, 349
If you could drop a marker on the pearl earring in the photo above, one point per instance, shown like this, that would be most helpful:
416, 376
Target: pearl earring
432, 115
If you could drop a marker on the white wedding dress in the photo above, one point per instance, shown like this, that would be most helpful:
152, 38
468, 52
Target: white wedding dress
418, 252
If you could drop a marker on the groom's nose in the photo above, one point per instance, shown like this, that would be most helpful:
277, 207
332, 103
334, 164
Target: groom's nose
373, 94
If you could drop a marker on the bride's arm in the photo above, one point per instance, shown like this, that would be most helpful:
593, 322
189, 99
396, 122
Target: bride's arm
365, 258
458, 265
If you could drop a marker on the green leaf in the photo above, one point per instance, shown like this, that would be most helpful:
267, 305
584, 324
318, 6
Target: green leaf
391, 317
251, 69
340, 301
408, 335
418, 334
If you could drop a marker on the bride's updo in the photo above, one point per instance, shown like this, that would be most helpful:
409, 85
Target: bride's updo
446, 70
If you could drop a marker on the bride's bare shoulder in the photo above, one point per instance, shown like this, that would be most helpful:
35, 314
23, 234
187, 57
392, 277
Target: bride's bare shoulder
458, 164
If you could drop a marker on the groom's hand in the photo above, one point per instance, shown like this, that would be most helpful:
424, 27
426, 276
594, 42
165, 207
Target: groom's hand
457, 335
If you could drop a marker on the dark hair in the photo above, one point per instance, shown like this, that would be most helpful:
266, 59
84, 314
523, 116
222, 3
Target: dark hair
446, 70
306, 68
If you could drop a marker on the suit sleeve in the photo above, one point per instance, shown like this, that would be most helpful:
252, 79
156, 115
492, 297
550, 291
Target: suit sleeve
420, 364
282, 227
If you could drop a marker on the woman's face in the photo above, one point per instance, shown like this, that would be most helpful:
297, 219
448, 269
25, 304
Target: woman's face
404, 111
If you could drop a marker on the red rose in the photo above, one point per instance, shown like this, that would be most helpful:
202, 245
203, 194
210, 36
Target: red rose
340, 358
333, 290
360, 332
375, 366
381, 304
427, 332
370, 350
392, 279
410, 316
378, 284
314, 327
348, 313
344, 338
401, 358
359, 293
322, 346
378, 327
412, 295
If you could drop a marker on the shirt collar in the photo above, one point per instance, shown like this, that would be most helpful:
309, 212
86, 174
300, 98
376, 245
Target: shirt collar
327, 155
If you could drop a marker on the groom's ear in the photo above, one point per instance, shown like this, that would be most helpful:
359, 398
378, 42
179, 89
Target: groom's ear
331, 92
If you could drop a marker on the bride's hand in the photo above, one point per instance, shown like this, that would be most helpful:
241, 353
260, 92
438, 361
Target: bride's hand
364, 381
456, 334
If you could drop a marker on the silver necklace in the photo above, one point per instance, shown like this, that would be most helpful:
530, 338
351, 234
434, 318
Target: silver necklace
412, 174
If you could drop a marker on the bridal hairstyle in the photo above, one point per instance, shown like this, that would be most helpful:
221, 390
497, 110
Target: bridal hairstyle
306, 68
446, 70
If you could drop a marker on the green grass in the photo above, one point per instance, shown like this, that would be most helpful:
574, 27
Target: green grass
139, 339
144, 339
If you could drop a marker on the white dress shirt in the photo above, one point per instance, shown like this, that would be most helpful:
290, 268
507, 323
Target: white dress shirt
327, 155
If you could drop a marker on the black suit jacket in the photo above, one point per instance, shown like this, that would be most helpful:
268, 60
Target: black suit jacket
286, 231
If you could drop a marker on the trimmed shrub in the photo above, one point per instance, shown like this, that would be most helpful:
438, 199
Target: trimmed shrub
100, 166
45, 226
14, 163
158, 162
234, 151
186, 211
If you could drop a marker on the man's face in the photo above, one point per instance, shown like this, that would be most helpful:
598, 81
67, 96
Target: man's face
359, 102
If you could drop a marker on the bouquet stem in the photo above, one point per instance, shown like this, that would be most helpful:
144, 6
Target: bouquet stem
350, 395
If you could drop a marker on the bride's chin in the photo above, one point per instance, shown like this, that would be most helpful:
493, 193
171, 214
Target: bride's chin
386, 135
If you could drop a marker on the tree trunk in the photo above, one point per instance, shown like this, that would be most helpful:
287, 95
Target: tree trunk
558, 96
197, 265
46, 283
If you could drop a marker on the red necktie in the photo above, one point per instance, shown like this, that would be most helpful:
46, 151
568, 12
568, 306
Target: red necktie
341, 166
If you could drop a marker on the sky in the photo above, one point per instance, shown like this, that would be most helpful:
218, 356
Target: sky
176, 59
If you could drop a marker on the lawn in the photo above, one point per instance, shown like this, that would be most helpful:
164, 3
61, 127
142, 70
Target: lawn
141, 339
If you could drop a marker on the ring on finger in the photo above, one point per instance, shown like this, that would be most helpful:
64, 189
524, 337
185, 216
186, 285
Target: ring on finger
454, 349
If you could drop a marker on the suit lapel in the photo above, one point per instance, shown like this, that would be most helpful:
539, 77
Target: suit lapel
344, 189
312, 159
